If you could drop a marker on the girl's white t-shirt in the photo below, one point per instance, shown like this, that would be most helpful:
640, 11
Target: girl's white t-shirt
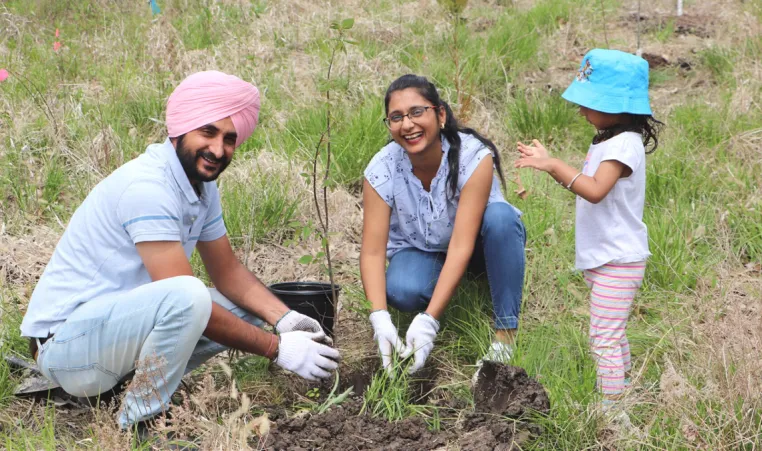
612, 231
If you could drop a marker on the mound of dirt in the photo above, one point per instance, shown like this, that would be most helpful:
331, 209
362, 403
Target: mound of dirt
509, 391
656, 60
501, 391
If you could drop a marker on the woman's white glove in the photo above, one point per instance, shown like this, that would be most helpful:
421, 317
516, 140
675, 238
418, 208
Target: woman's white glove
387, 337
420, 339
300, 353
294, 320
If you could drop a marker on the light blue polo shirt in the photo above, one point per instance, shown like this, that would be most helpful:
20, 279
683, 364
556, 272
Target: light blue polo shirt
419, 218
147, 199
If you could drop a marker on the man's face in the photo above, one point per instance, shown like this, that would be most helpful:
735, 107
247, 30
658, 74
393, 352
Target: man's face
206, 151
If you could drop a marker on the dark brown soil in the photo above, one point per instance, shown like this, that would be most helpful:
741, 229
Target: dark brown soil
342, 428
358, 379
503, 395
508, 390
656, 61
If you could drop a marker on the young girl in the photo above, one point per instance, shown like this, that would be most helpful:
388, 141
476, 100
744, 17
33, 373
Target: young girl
431, 202
611, 90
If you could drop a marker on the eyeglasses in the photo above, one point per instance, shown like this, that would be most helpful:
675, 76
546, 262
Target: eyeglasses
416, 112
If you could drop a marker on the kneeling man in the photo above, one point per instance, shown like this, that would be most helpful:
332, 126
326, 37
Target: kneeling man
119, 291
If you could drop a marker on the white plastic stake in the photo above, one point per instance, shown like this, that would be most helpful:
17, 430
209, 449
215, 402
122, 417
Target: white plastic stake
679, 7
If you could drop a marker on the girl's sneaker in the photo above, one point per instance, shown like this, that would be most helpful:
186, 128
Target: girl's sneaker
497, 352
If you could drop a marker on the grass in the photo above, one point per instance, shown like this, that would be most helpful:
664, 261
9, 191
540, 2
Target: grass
359, 132
658, 76
389, 397
719, 61
665, 31
71, 117
258, 208
544, 116
11, 343
44, 438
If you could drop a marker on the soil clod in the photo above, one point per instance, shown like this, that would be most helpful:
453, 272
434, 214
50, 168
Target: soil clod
508, 390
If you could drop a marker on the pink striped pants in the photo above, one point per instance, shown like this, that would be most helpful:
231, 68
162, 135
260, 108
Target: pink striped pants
613, 288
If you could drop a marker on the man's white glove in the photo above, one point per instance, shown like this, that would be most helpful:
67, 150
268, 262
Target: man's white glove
420, 339
294, 320
300, 353
386, 335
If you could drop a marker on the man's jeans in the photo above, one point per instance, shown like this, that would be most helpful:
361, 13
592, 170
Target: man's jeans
157, 327
412, 273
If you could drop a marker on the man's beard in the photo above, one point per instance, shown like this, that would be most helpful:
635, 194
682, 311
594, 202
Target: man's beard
189, 160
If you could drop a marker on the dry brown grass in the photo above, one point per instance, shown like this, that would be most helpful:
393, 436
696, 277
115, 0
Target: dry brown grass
196, 417
715, 366
731, 334
23, 257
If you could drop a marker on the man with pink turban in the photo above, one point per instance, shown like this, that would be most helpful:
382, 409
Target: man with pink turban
119, 293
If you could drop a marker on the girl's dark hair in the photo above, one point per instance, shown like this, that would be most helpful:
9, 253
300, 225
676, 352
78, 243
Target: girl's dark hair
644, 124
451, 126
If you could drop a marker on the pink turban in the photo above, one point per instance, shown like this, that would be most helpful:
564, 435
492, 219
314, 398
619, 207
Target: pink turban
206, 97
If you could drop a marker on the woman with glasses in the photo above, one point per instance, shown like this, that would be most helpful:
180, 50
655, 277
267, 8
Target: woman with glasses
432, 205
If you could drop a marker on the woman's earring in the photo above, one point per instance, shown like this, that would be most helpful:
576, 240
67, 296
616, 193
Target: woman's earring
442, 126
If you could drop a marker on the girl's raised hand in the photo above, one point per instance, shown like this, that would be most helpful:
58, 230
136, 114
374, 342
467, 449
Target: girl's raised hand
534, 156
537, 150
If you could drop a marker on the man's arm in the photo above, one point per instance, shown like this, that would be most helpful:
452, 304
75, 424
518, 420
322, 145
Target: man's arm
237, 283
165, 259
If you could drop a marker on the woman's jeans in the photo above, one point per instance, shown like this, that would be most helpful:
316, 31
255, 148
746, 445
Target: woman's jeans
412, 273
155, 329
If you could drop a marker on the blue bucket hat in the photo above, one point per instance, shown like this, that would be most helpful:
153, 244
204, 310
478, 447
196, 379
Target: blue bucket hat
611, 81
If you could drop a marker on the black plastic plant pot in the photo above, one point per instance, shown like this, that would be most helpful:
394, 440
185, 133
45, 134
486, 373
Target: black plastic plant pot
314, 299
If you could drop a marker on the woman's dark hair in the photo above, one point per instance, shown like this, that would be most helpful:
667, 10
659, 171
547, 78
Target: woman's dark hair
645, 124
451, 126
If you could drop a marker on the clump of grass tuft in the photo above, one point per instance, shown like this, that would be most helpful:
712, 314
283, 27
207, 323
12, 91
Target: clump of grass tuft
359, 136
467, 321
389, 397
719, 61
665, 31
659, 76
746, 225
703, 126
198, 31
358, 133
544, 116
40, 432
257, 208
515, 38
